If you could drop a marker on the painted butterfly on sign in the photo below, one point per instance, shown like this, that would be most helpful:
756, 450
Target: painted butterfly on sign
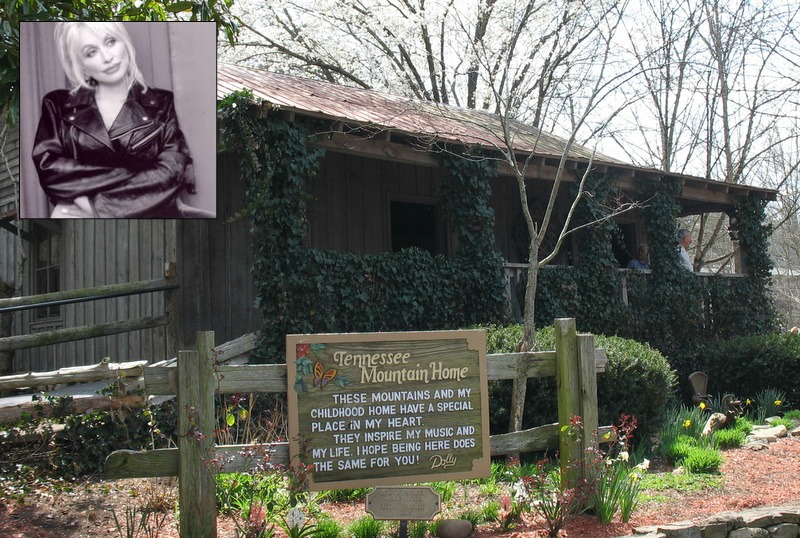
321, 379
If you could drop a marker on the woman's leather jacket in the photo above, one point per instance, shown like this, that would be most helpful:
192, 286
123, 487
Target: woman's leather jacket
137, 168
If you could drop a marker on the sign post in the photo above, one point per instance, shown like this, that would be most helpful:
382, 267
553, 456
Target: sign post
384, 409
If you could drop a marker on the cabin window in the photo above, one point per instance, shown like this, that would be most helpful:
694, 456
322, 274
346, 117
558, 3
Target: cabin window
415, 224
46, 269
624, 243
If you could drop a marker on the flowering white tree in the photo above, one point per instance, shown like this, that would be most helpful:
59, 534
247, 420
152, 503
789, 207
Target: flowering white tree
719, 99
550, 64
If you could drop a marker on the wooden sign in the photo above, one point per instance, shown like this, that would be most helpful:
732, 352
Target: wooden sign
414, 503
388, 408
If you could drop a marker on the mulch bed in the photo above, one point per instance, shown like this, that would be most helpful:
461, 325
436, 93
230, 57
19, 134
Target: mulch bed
753, 478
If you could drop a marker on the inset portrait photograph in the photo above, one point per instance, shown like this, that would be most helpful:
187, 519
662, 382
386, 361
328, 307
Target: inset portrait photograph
117, 120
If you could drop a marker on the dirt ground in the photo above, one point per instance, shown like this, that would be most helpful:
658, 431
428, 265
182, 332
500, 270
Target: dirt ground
751, 478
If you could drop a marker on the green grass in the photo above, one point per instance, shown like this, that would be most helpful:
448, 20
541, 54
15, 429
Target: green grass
681, 483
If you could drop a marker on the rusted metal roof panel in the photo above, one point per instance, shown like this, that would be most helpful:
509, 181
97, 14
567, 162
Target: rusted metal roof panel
424, 120
383, 111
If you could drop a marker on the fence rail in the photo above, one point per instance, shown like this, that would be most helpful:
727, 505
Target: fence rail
109, 291
72, 334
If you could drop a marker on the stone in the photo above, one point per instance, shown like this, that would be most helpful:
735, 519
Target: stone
783, 530
795, 432
769, 433
791, 514
454, 528
680, 529
714, 530
749, 532
732, 520
760, 517
715, 422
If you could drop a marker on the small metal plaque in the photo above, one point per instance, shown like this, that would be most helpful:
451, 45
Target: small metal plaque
403, 503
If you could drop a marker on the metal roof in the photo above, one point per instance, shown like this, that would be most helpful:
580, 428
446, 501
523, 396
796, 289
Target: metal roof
384, 111
424, 120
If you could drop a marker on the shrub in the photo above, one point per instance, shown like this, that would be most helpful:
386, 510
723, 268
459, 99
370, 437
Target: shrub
751, 364
787, 422
237, 492
677, 450
633, 370
729, 438
794, 414
703, 460
444, 489
88, 439
347, 495
365, 527
328, 528
743, 425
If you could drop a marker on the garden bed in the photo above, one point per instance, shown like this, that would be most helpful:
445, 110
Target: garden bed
749, 478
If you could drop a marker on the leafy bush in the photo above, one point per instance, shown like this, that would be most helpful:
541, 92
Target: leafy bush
703, 460
743, 425
751, 364
794, 414
365, 527
678, 449
786, 422
82, 447
444, 489
633, 370
347, 495
729, 438
328, 528
237, 492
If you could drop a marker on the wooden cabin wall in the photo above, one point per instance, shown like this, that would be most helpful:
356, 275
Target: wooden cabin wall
349, 206
95, 253
217, 291
8, 196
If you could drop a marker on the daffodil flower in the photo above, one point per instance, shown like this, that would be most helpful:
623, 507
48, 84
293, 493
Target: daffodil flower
702, 405
778, 402
687, 423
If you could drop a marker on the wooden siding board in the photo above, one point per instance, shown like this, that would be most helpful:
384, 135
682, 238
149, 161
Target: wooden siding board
354, 205
8, 197
134, 303
337, 202
373, 207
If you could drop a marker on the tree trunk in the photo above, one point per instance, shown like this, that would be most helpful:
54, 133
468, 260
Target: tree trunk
520, 384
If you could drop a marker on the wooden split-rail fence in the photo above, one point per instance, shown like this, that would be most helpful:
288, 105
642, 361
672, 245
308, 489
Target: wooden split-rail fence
198, 377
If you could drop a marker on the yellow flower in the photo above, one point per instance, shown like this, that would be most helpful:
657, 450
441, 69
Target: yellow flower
778, 402
748, 401
702, 405
687, 423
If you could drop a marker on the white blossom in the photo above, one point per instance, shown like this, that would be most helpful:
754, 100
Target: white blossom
295, 518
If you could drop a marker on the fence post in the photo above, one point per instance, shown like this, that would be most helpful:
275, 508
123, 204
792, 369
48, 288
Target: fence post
588, 399
196, 495
568, 387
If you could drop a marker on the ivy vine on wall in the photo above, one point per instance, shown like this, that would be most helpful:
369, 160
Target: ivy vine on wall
304, 290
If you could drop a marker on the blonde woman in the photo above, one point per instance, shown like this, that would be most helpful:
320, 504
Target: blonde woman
110, 146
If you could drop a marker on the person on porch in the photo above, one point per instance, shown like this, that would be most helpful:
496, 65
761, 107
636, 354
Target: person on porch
684, 239
642, 260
